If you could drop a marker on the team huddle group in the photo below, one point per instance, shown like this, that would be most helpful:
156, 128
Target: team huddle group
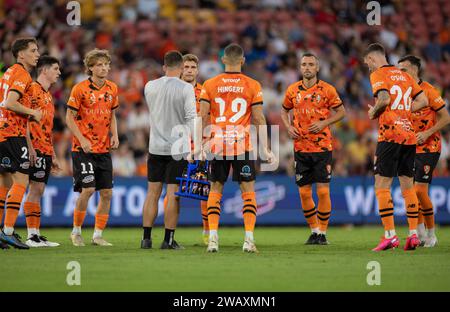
410, 113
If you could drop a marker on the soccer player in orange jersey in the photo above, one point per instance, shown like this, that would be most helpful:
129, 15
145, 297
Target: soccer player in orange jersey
91, 118
14, 156
42, 155
316, 105
397, 95
230, 102
190, 73
427, 124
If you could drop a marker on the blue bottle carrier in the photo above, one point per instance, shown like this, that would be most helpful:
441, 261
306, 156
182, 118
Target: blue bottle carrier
191, 187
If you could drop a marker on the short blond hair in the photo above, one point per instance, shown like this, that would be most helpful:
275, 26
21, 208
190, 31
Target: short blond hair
190, 58
93, 56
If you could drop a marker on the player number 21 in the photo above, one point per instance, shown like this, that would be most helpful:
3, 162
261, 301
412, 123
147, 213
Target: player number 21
406, 98
238, 106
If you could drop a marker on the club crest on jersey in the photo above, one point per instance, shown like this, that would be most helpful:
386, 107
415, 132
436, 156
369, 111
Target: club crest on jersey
426, 169
298, 97
108, 97
329, 169
92, 98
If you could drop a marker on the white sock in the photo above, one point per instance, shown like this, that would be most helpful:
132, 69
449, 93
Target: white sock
97, 233
76, 230
389, 234
38, 233
315, 230
205, 232
412, 232
213, 233
431, 232
323, 232
421, 229
8, 230
31, 232
249, 235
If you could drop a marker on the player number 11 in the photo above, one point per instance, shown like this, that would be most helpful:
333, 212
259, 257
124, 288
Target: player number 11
83, 168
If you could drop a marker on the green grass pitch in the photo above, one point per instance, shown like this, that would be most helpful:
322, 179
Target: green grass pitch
284, 263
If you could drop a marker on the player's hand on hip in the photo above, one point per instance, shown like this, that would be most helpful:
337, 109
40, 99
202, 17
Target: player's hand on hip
317, 126
422, 137
293, 132
86, 145
32, 156
114, 142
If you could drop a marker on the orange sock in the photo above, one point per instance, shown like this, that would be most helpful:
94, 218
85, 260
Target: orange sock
213, 206
426, 204
412, 207
3, 193
32, 214
420, 220
386, 208
323, 207
249, 211
100, 221
78, 218
13, 201
308, 206
204, 209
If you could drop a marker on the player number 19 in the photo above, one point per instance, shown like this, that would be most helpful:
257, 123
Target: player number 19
238, 106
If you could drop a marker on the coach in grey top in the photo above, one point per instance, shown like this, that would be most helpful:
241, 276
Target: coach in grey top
171, 104
172, 111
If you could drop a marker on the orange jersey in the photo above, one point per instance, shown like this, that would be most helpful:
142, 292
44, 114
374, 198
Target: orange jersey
311, 105
94, 106
41, 133
395, 122
426, 118
15, 79
197, 89
231, 96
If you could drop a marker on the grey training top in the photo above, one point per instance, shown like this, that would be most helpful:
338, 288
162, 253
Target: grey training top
172, 110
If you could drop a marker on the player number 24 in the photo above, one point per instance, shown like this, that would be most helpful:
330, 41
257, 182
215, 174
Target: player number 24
238, 106
406, 105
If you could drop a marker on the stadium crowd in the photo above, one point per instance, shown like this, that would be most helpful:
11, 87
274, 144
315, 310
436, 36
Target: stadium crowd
273, 33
